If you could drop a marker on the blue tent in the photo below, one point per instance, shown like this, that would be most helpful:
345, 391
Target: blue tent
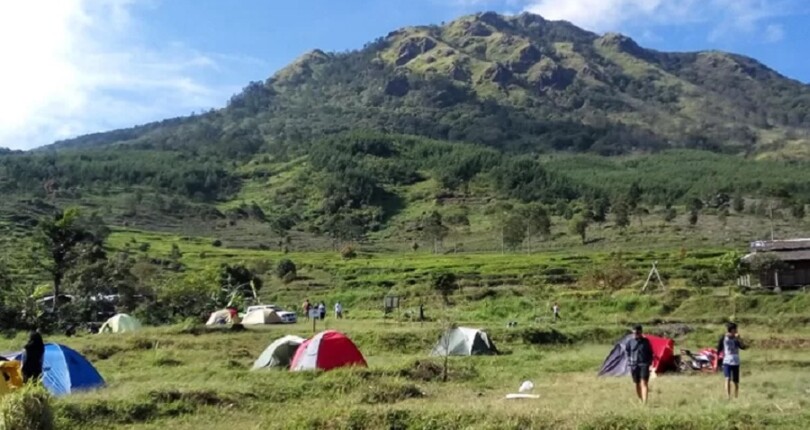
65, 371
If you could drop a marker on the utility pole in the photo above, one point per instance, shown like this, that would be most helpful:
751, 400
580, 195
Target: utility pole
770, 210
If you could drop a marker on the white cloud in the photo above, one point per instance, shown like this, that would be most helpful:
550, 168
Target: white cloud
726, 18
77, 66
774, 33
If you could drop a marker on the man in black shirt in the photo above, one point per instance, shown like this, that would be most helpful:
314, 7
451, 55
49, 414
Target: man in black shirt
34, 352
639, 357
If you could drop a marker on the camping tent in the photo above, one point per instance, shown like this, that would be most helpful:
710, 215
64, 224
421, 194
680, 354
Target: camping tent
327, 350
120, 323
280, 353
464, 341
261, 316
220, 317
65, 371
663, 356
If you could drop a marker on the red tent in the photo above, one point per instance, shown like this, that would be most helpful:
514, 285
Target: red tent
663, 356
663, 353
327, 350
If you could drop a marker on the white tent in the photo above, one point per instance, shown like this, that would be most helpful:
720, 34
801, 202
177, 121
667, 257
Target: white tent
220, 317
280, 353
262, 316
120, 323
464, 341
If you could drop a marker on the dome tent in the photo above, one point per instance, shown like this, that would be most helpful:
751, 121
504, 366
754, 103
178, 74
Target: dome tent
120, 323
280, 353
221, 317
65, 371
262, 316
616, 363
327, 350
464, 341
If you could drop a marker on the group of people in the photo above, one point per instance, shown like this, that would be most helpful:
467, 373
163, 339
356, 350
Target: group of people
307, 307
640, 359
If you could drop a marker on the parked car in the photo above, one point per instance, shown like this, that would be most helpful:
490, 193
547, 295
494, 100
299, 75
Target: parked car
288, 317
258, 307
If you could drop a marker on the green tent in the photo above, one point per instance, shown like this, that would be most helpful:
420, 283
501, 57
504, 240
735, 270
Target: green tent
464, 341
279, 354
120, 323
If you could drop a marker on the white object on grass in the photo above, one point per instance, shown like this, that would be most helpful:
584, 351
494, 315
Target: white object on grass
522, 396
526, 386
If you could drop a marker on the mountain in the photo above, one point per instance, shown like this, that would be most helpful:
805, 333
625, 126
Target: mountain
445, 129
520, 83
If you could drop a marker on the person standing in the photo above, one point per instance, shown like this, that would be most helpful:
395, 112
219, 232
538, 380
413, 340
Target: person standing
33, 355
338, 310
556, 311
730, 345
640, 357
306, 308
322, 310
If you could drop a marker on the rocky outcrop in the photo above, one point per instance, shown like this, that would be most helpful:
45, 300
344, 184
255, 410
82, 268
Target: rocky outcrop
496, 73
624, 44
526, 58
413, 47
459, 72
550, 75
476, 29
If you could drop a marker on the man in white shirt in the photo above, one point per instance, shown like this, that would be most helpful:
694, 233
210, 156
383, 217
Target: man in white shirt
730, 345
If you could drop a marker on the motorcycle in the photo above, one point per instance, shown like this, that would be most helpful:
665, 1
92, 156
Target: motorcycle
705, 361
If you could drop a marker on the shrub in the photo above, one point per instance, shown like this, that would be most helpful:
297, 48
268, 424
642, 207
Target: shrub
348, 252
217, 243
28, 408
286, 267
391, 393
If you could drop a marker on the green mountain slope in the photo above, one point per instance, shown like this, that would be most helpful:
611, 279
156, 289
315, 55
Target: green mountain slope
521, 83
471, 120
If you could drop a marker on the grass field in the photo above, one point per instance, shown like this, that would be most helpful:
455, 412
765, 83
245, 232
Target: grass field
186, 377
183, 377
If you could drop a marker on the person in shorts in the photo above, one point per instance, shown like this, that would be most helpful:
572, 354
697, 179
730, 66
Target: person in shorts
639, 359
730, 345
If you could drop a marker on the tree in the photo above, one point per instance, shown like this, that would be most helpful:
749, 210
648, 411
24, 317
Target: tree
693, 216
579, 226
62, 239
730, 266
670, 214
446, 284
599, 209
238, 280
797, 210
514, 230
621, 215
286, 268
723, 216
433, 229
537, 222
738, 203
633, 195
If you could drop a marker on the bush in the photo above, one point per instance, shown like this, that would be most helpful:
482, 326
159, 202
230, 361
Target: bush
348, 252
28, 408
286, 267
217, 243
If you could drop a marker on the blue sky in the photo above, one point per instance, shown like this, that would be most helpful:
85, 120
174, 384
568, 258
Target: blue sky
78, 66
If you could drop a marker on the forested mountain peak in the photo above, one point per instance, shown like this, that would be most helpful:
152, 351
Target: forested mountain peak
518, 83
